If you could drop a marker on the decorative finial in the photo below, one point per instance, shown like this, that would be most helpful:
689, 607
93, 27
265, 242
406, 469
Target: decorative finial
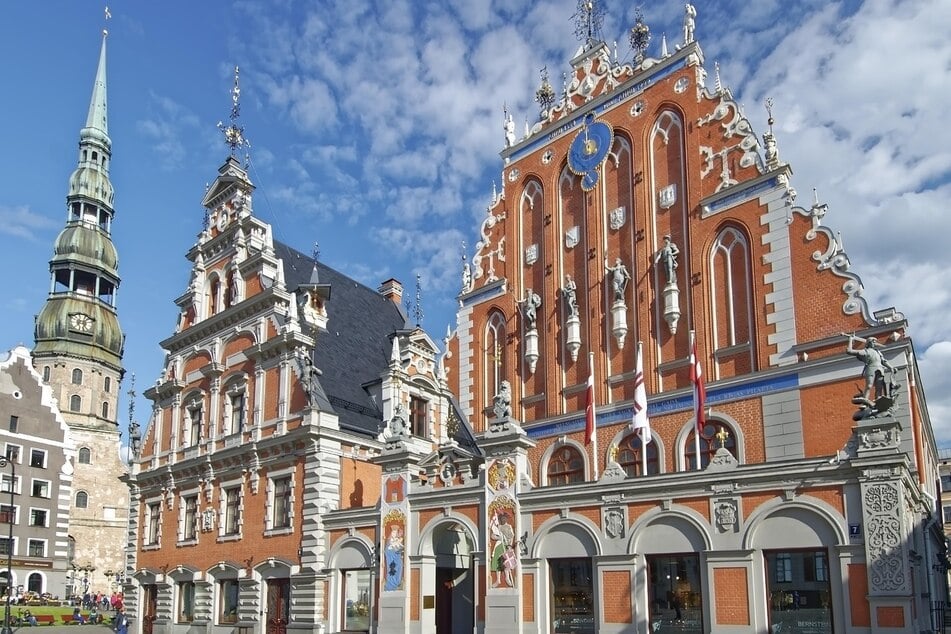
418, 310
663, 45
769, 140
108, 16
135, 437
769, 113
545, 95
234, 134
588, 20
716, 76
315, 253
640, 36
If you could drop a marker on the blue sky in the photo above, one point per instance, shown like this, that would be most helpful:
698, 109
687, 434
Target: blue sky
376, 127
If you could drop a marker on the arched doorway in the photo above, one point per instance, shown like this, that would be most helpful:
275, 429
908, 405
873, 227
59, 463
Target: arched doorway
455, 578
569, 550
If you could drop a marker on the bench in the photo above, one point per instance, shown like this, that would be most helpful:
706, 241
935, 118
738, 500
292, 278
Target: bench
45, 619
69, 620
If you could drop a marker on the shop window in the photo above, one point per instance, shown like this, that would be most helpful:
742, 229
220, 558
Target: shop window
711, 439
572, 596
186, 601
566, 466
356, 600
228, 601
799, 590
674, 593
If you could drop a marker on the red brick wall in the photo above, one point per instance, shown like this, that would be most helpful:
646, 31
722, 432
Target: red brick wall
616, 600
731, 596
858, 596
528, 597
359, 483
414, 595
890, 616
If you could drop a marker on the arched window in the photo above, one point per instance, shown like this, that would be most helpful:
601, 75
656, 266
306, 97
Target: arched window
34, 583
82, 499
630, 456
494, 355
75, 403
715, 433
107, 384
566, 466
215, 292
731, 294
46, 373
105, 409
77, 376
84, 455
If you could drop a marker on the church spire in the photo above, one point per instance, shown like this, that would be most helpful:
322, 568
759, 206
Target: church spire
97, 121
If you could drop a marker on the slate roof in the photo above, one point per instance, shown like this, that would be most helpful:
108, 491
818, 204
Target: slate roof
355, 350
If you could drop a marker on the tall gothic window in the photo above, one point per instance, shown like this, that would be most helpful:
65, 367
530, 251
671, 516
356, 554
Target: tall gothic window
631, 456
731, 294
494, 355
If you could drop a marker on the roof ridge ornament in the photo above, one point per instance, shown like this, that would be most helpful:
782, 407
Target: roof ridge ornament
234, 133
588, 21
640, 37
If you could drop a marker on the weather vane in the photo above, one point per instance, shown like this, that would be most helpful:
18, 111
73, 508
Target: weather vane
418, 310
234, 134
108, 15
588, 20
769, 113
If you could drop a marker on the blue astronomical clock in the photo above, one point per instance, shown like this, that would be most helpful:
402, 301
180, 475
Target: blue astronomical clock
589, 149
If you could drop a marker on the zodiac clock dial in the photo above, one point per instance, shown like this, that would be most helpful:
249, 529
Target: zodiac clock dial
588, 150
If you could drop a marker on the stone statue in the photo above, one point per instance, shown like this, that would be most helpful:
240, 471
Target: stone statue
620, 276
530, 307
310, 376
668, 257
874, 372
612, 454
690, 21
509, 131
570, 291
466, 278
502, 402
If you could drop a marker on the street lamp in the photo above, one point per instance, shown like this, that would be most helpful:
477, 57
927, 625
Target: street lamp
11, 515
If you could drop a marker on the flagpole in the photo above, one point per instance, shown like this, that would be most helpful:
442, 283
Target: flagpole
640, 365
696, 428
594, 409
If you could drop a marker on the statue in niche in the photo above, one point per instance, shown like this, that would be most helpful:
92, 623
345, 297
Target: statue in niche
878, 394
570, 291
397, 427
620, 276
502, 402
530, 306
668, 257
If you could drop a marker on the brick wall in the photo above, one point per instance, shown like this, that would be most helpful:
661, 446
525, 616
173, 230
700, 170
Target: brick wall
731, 596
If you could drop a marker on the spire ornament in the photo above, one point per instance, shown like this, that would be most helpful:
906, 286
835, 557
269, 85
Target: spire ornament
234, 133
545, 95
640, 37
588, 21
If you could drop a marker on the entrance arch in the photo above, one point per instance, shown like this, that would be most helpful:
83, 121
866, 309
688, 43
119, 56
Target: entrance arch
447, 550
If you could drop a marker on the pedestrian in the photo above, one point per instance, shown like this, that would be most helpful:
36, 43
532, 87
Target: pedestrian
121, 623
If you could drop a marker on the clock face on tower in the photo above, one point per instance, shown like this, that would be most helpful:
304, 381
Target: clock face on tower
80, 322
589, 149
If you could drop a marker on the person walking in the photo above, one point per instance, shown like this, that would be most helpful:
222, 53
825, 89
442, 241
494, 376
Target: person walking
121, 623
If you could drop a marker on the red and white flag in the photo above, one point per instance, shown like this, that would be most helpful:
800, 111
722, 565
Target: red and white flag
589, 410
699, 394
640, 423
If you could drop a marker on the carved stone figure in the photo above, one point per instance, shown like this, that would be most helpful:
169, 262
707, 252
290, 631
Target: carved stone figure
502, 402
530, 306
570, 291
509, 131
690, 22
874, 372
620, 276
668, 257
397, 427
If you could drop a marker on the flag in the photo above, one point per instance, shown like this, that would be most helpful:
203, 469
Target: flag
699, 394
640, 423
589, 409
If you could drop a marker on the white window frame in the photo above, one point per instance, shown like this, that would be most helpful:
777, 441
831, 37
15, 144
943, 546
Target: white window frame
45, 460
17, 483
223, 535
270, 528
16, 514
46, 517
49, 488
16, 543
152, 535
33, 540
19, 452
182, 518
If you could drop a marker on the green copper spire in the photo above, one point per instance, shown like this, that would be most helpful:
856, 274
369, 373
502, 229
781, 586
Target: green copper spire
97, 121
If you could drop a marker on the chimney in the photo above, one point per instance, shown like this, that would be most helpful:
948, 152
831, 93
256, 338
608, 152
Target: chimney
392, 290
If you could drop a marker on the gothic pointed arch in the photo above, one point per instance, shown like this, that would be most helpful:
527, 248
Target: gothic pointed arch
493, 358
731, 293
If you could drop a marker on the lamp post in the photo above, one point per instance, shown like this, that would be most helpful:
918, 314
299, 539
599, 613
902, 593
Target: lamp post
11, 515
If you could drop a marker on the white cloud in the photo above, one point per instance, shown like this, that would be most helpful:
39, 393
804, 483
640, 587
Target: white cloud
21, 222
